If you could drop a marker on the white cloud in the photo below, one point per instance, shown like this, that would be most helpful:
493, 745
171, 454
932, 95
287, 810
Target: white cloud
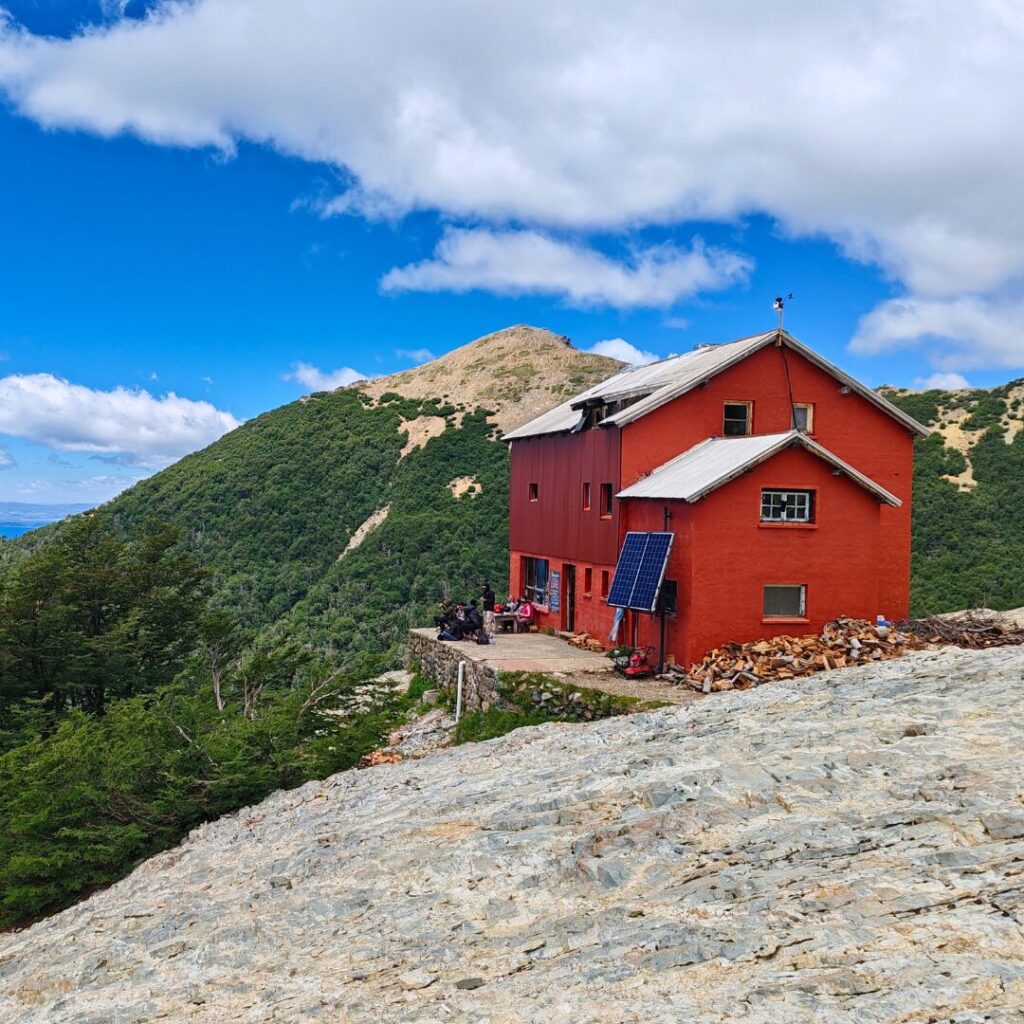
890, 129
315, 379
942, 381
87, 490
7, 460
624, 351
151, 431
415, 355
529, 262
955, 334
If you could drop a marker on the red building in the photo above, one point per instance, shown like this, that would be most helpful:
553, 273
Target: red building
786, 485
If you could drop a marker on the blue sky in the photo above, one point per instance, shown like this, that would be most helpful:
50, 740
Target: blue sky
162, 238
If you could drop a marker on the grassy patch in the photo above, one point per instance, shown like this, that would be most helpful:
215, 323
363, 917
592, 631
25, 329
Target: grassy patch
533, 699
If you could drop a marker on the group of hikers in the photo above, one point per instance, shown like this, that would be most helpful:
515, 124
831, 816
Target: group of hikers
476, 620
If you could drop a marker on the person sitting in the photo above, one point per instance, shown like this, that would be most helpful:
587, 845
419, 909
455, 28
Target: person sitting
447, 609
474, 621
524, 614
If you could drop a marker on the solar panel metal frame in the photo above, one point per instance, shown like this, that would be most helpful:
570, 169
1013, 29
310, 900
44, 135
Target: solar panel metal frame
640, 570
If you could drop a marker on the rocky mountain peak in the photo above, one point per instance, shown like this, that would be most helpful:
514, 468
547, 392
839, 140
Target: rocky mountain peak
518, 372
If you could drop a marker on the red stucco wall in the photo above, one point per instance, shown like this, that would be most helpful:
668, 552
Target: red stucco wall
847, 425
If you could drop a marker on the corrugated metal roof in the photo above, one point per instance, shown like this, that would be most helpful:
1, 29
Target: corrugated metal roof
657, 383
716, 461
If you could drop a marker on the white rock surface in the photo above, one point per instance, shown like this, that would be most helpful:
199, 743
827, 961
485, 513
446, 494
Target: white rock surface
848, 848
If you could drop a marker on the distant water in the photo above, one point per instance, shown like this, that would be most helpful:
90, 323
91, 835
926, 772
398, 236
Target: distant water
15, 529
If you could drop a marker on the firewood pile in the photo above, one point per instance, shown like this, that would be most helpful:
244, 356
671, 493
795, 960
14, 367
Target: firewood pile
376, 757
842, 643
974, 630
585, 642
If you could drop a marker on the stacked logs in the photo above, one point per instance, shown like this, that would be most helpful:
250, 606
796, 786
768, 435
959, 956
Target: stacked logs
842, 643
585, 642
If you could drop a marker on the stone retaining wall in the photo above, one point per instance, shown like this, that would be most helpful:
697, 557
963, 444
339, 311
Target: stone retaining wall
439, 661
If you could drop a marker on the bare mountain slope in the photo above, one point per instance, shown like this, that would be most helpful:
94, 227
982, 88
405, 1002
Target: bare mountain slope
846, 849
518, 372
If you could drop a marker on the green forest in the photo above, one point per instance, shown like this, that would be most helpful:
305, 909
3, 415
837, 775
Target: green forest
171, 657
968, 545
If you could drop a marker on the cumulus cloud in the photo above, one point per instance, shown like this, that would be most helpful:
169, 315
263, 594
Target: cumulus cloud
415, 355
624, 351
529, 262
954, 334
606, 115
315, 379
150, 431
942, 381
7, 460
886, 125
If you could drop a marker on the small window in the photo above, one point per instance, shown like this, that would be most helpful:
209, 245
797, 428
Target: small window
604, 582
803, 417
588, 581
534, 492
535, 579
736, 419
785, 601
787, 506
586, 497
606, 501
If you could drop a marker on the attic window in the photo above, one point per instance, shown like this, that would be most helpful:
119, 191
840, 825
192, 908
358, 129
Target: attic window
606, 501
736, 419
803, 417
534, 492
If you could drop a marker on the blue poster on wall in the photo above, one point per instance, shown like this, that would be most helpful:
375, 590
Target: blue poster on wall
555, 591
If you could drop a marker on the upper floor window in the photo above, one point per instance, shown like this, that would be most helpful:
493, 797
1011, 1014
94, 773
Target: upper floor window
803, 417
787, 506
606, 501
586, 496
534, 492
736, 419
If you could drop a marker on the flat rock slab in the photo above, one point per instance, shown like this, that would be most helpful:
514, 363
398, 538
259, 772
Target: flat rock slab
844, 849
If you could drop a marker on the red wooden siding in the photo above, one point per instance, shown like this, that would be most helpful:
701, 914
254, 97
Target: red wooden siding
556, 524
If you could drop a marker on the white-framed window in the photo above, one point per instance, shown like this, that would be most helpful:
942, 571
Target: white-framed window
535, 579
779, 506
736, 418
803, 417
785, 601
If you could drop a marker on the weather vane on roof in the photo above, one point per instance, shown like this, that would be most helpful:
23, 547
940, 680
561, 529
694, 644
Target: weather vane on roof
780, 306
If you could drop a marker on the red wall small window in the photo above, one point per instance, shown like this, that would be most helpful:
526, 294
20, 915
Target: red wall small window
588, 581
534, 492
604, 582
586, 496
606, 501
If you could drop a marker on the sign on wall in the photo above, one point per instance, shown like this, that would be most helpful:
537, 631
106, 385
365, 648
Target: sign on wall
554, 591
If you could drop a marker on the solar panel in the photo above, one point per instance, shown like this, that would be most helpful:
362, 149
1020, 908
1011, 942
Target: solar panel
640, 570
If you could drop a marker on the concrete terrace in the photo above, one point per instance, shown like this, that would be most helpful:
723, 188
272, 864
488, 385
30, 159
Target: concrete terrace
551, 655
526, 652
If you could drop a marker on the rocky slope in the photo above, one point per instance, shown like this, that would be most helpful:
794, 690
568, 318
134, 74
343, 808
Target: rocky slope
850, 848
518, 372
